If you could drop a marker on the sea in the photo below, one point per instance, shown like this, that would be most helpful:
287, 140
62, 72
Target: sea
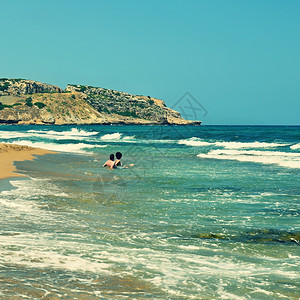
206, 212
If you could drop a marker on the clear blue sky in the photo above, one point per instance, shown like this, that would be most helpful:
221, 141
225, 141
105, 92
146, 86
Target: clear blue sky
239, 59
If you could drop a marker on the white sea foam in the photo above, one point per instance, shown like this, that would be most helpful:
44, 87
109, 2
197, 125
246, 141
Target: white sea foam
194, 142
197, 142
23, 207
241, 145
73, 134
14, 134
41, 256
118, 137
20, 203
289, 160
295, 147
76, 148
129, 137
29, 189
112, 136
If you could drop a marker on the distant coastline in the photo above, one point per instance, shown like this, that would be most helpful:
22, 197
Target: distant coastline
30, 102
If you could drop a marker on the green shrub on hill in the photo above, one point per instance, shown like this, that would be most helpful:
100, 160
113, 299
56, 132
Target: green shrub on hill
28, 101
4, 86
82, 88
104, 109
40, 105
127, 113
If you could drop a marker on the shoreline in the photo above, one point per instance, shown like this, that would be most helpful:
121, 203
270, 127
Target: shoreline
190, 123
9, 153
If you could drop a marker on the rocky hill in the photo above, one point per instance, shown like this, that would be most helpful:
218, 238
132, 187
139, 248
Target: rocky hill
30, 102
23, 87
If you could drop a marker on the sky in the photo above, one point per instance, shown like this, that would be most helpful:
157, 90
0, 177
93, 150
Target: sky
239, 60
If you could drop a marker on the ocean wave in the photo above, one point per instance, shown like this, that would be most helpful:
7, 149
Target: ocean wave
117, 137
295, 147
283, 159
129, 137
196, 142
73, 134
76, 148
13, 134
241, 145
112, 136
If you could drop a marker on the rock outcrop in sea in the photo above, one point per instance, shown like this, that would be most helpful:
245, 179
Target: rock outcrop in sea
29, 102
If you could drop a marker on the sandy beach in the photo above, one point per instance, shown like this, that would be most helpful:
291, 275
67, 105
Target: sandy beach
10, 153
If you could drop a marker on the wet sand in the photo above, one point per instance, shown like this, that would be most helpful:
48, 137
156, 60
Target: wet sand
10, 153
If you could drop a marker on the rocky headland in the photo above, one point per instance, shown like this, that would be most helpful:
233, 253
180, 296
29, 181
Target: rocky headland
29, 102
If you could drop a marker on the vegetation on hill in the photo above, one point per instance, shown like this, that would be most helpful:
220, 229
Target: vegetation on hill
30, 102
127, 105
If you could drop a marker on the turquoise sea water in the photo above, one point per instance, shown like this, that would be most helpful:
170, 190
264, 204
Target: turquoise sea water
207, 212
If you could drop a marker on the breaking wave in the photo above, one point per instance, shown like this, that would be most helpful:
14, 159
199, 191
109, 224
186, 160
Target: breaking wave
196, 142
283, 159
76, 148
73, 134
295, 147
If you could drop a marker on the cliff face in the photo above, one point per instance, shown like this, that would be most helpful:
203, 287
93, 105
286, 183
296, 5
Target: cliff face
29, 102
24, 87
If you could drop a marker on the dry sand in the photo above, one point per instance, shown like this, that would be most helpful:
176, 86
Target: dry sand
10, 153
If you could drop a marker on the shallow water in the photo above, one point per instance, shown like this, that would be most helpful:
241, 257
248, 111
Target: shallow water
207, 212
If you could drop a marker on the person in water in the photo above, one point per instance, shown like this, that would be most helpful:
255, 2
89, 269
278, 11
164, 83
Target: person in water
110, 163
118, 160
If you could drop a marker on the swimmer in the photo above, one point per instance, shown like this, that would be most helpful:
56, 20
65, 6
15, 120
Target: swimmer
110, 163
118, 160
